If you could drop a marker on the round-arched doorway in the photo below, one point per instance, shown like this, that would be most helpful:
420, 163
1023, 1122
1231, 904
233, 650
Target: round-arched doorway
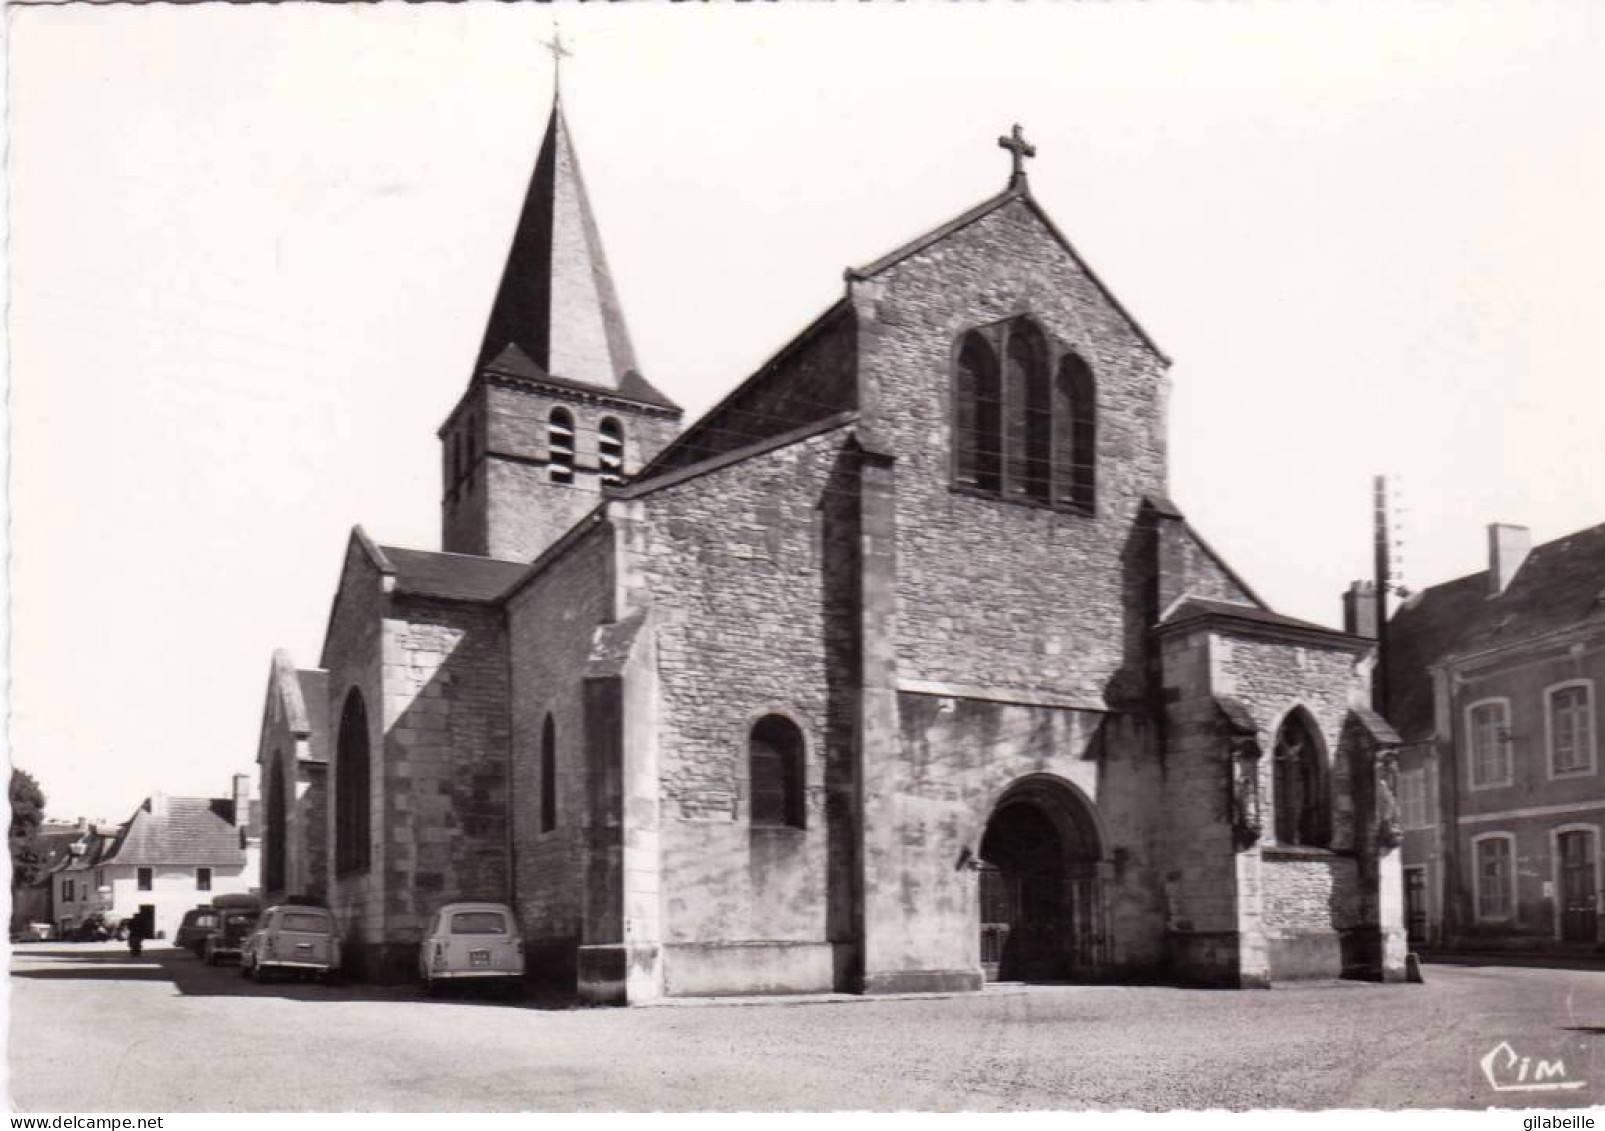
1041, 901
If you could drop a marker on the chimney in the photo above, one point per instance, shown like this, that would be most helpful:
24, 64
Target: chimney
1508, 547
1360, 609
242, 800
157, 804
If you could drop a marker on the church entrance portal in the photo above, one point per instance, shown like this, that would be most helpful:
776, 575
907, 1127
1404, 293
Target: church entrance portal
1041, 900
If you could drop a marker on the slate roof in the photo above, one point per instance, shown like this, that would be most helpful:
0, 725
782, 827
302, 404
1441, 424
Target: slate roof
1560, 584
1200, 608
557, 279
191, 831
457, 577
512, 361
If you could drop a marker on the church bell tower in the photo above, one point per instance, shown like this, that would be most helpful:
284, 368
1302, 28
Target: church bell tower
556, 410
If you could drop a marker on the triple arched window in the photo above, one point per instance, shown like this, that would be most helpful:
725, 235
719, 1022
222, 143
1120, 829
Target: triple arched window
352, 780
1025, 417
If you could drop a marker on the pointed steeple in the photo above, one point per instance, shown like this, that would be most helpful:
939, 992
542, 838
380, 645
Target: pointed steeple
556, 302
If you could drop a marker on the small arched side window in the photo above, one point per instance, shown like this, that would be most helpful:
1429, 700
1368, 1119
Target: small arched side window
775, 773
610, 451
1300, 787
978, 432
560, 446
548, 775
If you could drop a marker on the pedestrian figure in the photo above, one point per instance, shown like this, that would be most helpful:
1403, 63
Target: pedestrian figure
136, 936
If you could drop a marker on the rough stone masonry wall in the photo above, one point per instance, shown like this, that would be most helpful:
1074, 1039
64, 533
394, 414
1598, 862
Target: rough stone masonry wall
1201, 884
993, 592
814, 378
310, 829
1271, 678
743, 567
352, 657
1310, 895
551, 624
445, 763
958, 758
508, 507
1305, 902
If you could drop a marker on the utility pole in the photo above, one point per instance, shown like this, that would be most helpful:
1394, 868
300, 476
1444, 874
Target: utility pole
1384, 579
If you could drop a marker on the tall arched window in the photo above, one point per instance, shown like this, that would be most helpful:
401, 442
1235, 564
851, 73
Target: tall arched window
1075, 457
560, 446
548, 775
1029, 437
274, 866
352, 802
775, 772
978, 432
610, 451
1300, 797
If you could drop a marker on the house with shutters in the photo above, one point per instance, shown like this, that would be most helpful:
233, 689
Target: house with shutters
173, 854
1494, 680
899, 669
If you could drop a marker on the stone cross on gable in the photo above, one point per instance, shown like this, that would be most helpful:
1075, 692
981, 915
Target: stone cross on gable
1020, 149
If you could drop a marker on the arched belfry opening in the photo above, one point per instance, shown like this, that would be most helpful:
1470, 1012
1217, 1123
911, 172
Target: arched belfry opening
1041, 897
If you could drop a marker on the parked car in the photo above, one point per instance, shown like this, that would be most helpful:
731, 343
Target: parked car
471, 941
292, 939
236, 919
96, 927
198, 923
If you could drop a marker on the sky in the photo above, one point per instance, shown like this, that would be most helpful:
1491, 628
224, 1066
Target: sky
252, 249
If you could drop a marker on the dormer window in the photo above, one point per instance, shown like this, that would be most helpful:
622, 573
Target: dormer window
1024, 418
560, 446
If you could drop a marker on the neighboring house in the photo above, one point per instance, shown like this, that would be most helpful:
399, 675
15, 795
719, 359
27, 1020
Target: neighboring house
898, 670
1494, 681
177, 853
294, 756
61, 844
78, 886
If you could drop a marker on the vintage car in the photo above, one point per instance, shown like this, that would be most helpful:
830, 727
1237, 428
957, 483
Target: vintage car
292, 939
236, 915
471, 941
198, 923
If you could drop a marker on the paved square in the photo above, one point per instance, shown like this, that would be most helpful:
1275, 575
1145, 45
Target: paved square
94, 1030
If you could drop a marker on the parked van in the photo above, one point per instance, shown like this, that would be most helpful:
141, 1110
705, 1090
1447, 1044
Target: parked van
236, 919
470, 941
292, 939
198, 923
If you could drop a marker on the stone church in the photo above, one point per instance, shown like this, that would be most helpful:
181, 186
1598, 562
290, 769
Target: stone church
898, 670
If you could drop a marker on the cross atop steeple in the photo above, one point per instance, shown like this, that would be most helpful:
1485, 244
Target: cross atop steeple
1020, 149
559, 52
